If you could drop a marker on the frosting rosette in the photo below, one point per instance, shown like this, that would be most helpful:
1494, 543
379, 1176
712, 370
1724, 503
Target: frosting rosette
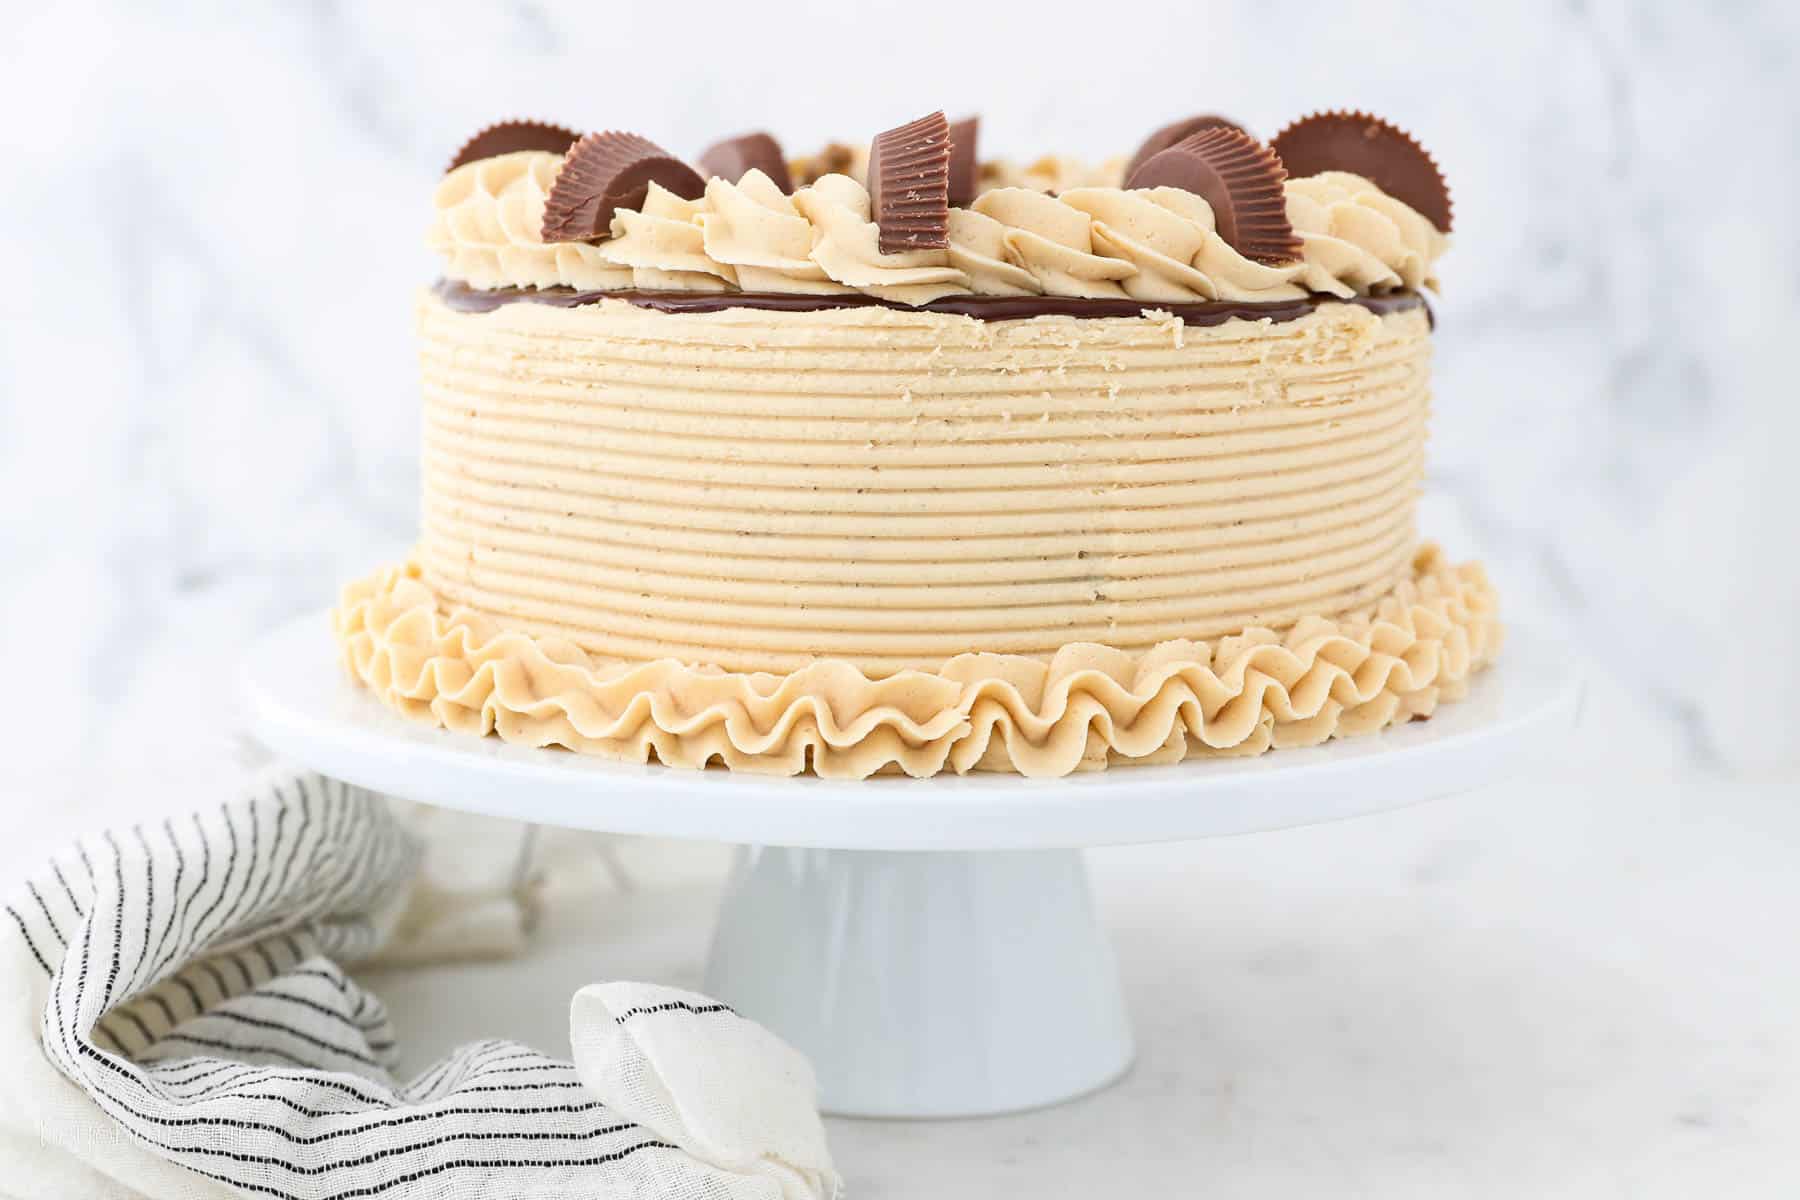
486, 221
1093, 241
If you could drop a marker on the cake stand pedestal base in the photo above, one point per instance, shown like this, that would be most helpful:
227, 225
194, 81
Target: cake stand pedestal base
926, 984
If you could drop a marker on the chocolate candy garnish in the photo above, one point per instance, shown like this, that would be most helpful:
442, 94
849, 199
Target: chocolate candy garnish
509, 137
1366, 145
1176, 131
1241, 179
909, 185
734, 158
609, 171
963, 163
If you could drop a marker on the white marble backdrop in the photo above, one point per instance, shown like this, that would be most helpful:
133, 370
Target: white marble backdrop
212, 215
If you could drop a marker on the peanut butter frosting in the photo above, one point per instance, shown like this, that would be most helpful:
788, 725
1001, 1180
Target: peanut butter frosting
890, 488
1071, 475
487, 222
1084, 708
1052, 173
1091, 241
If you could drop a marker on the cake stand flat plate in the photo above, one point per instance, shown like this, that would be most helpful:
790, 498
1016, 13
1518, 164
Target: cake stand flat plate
303, 705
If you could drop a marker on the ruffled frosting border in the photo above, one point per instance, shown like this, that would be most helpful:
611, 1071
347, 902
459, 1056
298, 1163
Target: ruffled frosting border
1085, 708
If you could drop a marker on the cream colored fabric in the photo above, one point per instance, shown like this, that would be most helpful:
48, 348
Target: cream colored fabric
757, 489
1091, 241
1088, 706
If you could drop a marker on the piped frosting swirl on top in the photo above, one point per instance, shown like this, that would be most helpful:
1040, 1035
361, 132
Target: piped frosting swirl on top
1157, 244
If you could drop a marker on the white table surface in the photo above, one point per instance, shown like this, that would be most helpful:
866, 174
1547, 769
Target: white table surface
1578, 983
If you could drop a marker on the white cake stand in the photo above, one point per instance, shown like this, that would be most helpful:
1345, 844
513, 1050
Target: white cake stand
930, 944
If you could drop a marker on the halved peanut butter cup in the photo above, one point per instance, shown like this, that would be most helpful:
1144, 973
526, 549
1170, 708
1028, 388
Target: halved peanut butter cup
1240, 178
734, 158
605, 172
909, 185
1176, 131
509, 137
964, 135
1378, 150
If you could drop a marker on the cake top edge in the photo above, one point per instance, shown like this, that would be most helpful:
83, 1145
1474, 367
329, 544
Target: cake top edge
1201, 211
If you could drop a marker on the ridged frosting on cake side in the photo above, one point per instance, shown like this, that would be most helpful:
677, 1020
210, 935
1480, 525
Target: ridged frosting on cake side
1151, 244
890, 489
1086, 707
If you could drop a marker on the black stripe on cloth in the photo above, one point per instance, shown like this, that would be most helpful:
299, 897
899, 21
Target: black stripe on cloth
287, 938
460, 1164
48, 919
159, 958
547, 1065
170, 1020
26, 934
498, 1088
225, 990
464, 1164
118, 929
266, 876
300, 1035
300, 835
270, 970
67, 890
332, 1135
314, 1077
228, 922
196, 935
137, 1023
267, 992
375, 1156
55, 991
316, 1073
193, 993
179, 907
85, 955
699, 1010
387, 1152
216, 1095
138, 979
506, 1052
468, 1060
162, 1069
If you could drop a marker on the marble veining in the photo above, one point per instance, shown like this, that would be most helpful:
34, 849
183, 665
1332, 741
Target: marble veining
221, 234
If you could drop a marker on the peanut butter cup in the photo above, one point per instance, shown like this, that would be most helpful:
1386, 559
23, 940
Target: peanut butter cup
1240, 178
909, 185
734, 158
509, 137
964, 135
1378, 150
1176, 131
605, 172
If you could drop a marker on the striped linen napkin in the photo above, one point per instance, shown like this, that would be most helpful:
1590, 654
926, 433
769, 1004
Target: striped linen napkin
176, 1021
